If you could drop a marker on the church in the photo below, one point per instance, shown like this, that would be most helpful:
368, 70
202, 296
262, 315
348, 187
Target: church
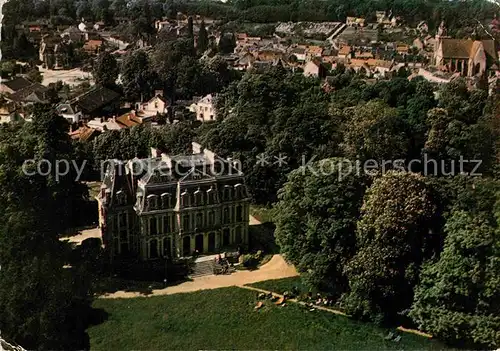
172, 206
471, 58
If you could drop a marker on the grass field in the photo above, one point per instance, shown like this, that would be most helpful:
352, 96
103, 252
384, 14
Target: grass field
226, 319
281, 285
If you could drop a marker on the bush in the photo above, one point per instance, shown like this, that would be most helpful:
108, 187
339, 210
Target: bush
249, 261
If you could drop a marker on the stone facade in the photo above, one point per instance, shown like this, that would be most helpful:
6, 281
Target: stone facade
171, 206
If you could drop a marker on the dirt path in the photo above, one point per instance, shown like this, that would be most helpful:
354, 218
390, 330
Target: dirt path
276, 268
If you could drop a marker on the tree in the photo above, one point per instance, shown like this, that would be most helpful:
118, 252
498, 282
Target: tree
375, 131
316, 220
227, 43
43, 305
105, 70
137, 77
190, 28
395, 226
457, 299
202, 42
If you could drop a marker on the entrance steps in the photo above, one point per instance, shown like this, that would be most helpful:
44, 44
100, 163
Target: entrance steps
203, 266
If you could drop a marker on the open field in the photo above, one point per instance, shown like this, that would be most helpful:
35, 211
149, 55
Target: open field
225, 319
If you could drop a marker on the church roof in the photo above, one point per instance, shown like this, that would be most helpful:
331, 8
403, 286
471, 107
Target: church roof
456, 48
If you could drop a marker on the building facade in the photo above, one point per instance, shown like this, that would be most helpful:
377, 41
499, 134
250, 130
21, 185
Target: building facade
171, 206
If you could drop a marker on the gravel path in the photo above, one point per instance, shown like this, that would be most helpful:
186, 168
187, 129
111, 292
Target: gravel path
276, 268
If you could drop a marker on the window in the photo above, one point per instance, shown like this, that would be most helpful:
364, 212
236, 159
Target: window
152, 202
226, 215
122, 220
153, 230
211, 218
198, 197
166, 224
165, 200
120, 197
211, 117
239, 192
199, 220
185, 199
227, 193
185, 222
239, 213
211, 196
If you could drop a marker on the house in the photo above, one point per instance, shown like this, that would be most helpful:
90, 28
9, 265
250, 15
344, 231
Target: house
9, 112
313, 51
34, 93
345, 52
299, 53
170, 206
84, 133
245, 61
14, 85
402, 49
355, 22
73, 34
465, 56
51, 52
205, 110
101, 125
97, 102
417, 43
363, 54
157, 105
315, 68
329, 55
93, 46
70, 112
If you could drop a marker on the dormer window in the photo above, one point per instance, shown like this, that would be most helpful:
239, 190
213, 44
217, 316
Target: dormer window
152, 202
166, 200
120, 197
211, 196
185, 199
239, 191
198, 197
227, 195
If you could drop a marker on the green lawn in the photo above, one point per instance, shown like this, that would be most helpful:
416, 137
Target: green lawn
226, 319
281, 285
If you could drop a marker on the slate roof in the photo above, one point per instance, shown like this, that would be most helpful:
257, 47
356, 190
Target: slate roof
35, 92
96, 99
17, 83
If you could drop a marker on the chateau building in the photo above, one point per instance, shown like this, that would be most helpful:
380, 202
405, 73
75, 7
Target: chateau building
171, 206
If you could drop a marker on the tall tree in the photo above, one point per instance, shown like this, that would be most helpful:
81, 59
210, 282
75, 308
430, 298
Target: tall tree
43, 305
105, 70
202, 42
316, 220
458, 298
391, 235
